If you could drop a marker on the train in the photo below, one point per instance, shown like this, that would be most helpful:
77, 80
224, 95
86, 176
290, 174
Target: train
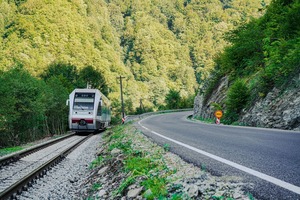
89, 111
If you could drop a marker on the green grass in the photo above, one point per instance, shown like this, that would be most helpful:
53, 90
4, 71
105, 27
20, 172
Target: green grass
9, 150
156, 187
98, 161
96, 186
139, 165
166, 147
151, 168
221, 198
125, 183
206, 120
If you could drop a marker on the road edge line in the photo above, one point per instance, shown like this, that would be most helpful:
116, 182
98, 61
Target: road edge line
278, 182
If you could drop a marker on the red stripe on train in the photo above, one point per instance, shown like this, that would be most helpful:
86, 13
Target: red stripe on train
77, 120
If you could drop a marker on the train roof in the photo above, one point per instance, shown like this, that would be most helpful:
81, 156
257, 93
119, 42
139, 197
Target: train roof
91, 90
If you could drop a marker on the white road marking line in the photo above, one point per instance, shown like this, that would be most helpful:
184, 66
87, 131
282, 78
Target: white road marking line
258, 174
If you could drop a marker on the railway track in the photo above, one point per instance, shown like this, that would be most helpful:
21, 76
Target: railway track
5, 160
21, 171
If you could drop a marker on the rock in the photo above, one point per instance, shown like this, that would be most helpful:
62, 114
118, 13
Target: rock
193, 191
102, 170
100, 151
101, 193
133, 193
218, 96
237, 195
219, 193
278, 109
115, 152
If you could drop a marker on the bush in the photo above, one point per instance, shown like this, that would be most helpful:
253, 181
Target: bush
22, 107
237, 98
56, 121
173, 99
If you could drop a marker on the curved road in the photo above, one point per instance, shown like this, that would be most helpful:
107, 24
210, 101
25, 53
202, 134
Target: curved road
267, 158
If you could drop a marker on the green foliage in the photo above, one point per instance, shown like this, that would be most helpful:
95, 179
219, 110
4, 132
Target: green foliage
22, 107
237, 99
250, 196
156, 187
33, 108
173, 99
264, 51
96, 186
211, 83
156, 45
98, 161
56, 116
221, 198
94, 78
125, 183
166, 147
245, 55
5, 151
211, 121
67, 74
216, 106
151, 169
139, 165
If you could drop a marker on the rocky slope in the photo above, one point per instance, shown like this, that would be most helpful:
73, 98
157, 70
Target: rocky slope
184, 180
279, 109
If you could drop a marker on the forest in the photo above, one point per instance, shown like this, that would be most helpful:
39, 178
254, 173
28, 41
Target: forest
165, 49
264, 53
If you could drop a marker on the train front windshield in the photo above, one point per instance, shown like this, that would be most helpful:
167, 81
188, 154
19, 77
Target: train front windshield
84, 101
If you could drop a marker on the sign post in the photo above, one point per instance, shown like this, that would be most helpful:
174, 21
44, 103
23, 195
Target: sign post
218, 115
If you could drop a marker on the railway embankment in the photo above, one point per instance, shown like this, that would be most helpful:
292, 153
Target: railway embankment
130, 166
122, 163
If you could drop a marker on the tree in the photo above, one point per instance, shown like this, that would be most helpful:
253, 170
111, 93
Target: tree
67, 73
237, 99
89, 75
56, 116
173, 99
22, 107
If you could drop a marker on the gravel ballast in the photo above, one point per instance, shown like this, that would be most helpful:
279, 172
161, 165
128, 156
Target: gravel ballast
64, 179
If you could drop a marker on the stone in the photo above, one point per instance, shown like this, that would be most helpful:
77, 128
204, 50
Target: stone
219, 193
193, 191
102, 170
133, 193
101, 193
237, 195
115, 152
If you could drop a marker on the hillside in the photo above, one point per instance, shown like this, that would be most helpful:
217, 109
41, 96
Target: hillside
156, 45
163, 49
256, 79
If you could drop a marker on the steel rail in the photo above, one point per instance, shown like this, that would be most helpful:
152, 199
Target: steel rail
21, 185
17, 156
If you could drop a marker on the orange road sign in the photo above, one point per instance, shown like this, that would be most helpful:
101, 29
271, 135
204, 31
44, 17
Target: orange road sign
218, 114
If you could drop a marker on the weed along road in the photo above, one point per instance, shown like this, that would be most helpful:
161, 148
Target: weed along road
267, 159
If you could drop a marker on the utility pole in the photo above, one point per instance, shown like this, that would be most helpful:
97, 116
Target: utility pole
122, 101
142, 108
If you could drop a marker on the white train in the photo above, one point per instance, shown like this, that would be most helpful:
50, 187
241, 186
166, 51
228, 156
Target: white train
89, 110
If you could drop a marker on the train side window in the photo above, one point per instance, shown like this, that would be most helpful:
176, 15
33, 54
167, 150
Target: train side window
99, 113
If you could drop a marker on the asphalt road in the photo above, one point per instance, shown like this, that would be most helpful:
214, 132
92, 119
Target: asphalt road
269, 159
